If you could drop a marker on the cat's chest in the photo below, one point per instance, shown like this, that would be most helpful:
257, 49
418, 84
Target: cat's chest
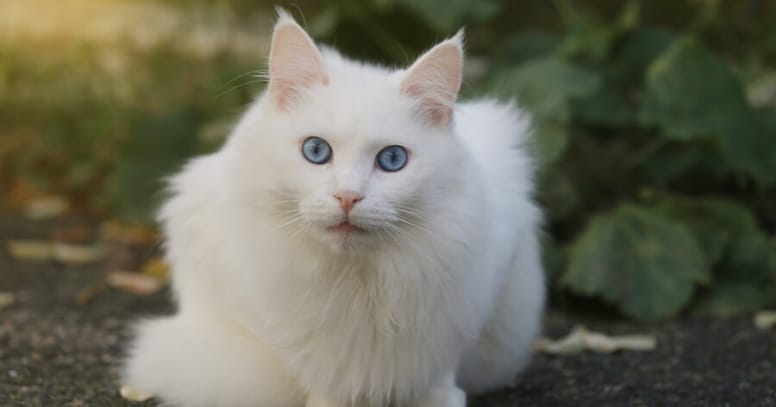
378, 301
370, 320
370, 334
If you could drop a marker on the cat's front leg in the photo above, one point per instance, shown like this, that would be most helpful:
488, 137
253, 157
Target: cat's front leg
445, 394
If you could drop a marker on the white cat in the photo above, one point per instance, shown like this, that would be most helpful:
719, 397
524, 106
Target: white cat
361, 239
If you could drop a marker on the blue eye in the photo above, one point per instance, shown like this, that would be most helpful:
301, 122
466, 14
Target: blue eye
392, 158
316, 150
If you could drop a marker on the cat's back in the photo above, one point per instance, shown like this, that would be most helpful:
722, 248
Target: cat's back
497, 137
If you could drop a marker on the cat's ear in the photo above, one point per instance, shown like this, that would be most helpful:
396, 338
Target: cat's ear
435, 79
295, 63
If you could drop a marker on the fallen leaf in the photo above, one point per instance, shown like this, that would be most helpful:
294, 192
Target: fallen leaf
581, 339
30, 250
6, 300
132, 282
21, 192
131, 394
39, 250
75, 254
570, 344
45, 207
765, 319
157, 268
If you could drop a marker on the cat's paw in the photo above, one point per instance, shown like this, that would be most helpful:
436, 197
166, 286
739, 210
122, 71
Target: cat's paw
446, 396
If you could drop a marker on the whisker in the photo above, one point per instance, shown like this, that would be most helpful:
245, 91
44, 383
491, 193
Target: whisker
417, 226
240, 76
223, 92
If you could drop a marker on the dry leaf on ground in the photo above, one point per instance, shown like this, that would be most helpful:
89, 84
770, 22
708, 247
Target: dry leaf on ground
128, 393
6, 300
157, 268
45, 207
40, 250
581, 339
132, 282
75, 254
29, 250
765, 319
20, 192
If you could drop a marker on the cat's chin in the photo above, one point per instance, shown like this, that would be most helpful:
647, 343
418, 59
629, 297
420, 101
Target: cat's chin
346, 238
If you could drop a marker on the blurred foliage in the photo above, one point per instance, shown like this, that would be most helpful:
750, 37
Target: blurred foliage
655, 122
102, 116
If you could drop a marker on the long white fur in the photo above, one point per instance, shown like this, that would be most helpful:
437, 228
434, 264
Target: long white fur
443, 293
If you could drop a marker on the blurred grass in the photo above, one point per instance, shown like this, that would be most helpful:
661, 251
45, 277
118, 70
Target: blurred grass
99, 100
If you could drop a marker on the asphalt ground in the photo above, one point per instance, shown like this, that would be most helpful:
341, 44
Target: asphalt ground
57, 351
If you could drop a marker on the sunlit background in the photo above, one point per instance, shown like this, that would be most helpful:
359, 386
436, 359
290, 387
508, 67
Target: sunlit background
655, 120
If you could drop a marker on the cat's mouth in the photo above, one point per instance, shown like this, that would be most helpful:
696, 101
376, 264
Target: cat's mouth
346, 227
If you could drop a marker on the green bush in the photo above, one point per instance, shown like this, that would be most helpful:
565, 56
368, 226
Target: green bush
658, 175
643, 132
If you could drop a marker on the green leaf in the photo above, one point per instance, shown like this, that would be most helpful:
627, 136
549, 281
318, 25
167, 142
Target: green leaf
690, 94
750, 257
558, 194
715, 222
748, 146
635, 51
551, 140
527, 45
553, 259
739, 251
606, 107
671, 161
638, 260
732, 297
546, 86
589, 39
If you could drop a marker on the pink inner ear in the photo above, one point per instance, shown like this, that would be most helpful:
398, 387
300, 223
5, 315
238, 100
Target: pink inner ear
438, 114
295, 64
285, 92
434, 80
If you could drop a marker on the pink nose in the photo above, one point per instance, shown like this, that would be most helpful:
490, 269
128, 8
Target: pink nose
347, 199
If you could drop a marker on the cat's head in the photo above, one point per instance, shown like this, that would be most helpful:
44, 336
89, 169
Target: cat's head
348, 154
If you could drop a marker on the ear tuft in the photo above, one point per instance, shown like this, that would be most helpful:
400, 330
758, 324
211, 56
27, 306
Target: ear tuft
435, 79
284, 15
458, 38
295, 63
